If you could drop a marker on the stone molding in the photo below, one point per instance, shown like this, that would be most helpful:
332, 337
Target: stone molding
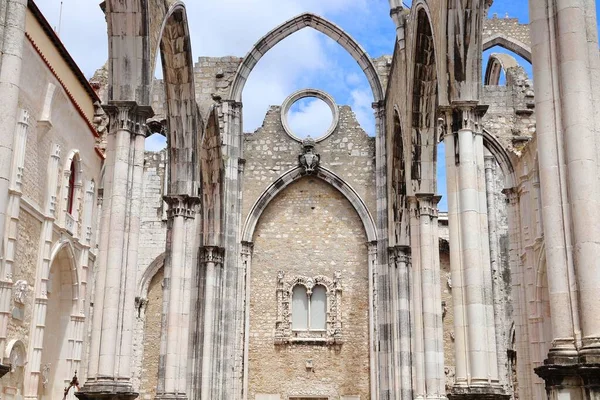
283, 324
182, 206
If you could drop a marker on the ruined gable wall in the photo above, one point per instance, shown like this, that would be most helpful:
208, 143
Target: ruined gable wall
509, 27
269, 152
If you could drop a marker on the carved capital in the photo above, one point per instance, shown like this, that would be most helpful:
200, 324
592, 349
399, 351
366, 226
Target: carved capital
428, 204
181, 206
129, 116
399, 255
512, 195
466, 115
212, 254
247, 248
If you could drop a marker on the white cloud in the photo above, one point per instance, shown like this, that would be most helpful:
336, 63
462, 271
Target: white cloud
311, 117
231, 27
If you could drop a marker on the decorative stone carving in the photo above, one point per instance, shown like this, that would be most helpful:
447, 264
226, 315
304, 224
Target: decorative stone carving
45, 375
20, 289
309, 160
181, 206
283, 324
100, 120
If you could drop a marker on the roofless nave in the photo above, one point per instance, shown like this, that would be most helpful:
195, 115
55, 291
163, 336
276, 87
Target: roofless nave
266, 266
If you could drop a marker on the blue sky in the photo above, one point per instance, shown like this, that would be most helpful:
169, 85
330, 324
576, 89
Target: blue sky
305, 59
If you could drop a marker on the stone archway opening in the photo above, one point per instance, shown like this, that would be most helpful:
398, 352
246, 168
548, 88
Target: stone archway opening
57, 362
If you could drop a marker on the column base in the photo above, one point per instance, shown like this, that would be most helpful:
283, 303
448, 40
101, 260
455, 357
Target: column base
570, 379
493, 392
106, 390
170, 396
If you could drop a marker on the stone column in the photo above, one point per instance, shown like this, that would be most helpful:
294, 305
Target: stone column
402, 282
557, 229
580, 139
417, 345
211, 261
498, 285
109, 371
476, 357
246, 256
13, 35
179, 263
383, 291
563, 34
429, 270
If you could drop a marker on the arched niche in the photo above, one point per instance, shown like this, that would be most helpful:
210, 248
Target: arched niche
295, 24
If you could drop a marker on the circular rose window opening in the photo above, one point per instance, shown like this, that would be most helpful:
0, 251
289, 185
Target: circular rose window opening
309, 112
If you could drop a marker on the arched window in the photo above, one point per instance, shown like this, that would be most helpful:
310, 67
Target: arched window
299, 308
318, 308
309, 310
71, 189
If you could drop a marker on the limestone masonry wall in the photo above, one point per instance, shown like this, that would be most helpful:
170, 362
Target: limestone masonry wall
309, 229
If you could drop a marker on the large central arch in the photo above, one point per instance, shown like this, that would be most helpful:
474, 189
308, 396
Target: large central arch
293, 25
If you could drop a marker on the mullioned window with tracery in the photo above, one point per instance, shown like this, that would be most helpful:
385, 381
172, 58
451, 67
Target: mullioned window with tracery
309, 309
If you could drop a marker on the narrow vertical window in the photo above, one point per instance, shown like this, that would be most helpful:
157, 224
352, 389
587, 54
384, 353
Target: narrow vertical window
318, 308
299, 308
71, 193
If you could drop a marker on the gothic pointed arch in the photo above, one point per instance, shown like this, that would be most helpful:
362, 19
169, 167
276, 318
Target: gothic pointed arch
424, 102
398, 201
182, 110
293, 25
497, 64
212, 174
293, 175
508, 43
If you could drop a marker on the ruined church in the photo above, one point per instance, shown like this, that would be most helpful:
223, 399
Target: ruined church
265, 265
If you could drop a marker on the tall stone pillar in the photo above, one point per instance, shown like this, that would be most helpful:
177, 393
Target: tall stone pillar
426, 298
211, 276
12, 24
180, 261
400, 294
474, 326
109, 370
563, 36
498, 285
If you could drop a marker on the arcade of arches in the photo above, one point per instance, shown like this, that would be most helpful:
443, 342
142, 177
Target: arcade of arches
268, 266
